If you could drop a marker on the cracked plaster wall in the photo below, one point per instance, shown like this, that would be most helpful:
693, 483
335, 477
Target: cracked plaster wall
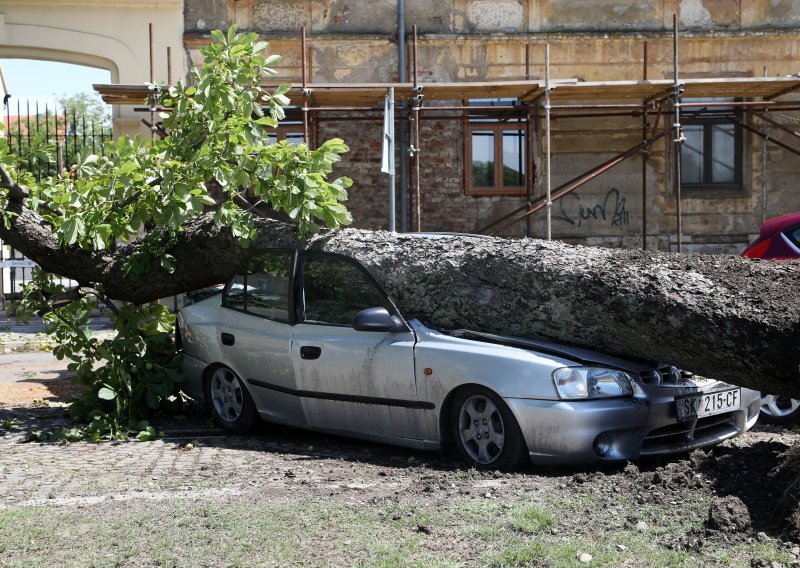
354, 41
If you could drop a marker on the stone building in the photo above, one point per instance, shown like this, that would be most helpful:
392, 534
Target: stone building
732, 178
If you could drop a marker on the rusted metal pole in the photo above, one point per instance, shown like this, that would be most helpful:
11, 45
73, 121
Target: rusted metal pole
562, 190
676, 106
548, 201
763, 116
645, 152
764, 150
528, 170
305, 85
766, 137
169, 65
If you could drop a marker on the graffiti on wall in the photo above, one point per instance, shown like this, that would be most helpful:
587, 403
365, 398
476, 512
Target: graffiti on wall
611, 209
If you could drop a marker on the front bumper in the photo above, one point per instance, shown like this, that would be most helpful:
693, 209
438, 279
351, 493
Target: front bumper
591, 431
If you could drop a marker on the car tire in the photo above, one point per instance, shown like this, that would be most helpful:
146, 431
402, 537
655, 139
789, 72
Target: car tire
230, 402
484, 430
780, 410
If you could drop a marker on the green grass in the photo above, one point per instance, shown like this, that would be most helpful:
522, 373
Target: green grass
255, 529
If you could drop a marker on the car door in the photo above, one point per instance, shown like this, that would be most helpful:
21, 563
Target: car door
254, 332
360, 382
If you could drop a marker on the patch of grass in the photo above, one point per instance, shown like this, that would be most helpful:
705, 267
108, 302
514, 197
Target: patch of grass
525, 554
533, 520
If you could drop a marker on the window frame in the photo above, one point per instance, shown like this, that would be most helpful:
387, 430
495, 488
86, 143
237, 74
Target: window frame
708, 123
498, 125
242, 270
299, 287
296, 297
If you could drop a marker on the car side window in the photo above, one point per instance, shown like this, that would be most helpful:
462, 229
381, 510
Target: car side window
335, 290
263, 288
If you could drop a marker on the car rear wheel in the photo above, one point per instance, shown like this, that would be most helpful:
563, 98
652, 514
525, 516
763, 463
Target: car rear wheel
485, 432
230, 402
779, 409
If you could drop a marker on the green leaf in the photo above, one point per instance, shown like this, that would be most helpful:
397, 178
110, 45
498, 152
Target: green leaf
72, 230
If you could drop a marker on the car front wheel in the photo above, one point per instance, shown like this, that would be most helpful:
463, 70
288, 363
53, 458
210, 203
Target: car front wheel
779, 409
230, 402
485, 432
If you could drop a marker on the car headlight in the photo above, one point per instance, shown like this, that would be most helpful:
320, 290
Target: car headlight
574, 383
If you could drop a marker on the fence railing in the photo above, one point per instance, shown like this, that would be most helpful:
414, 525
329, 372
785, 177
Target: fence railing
67, 135
48, 142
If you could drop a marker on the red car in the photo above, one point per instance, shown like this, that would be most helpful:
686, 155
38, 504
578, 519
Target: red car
779, 239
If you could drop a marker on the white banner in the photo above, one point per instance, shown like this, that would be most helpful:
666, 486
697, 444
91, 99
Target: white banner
387, 157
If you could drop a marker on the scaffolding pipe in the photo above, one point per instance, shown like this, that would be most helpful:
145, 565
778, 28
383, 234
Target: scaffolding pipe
769, 138
528, 172
392, 205
645, 152
763, 116
764, 150
548, 201
305, 84
403, 134
153, 93
676, 105
415, 109
562, 190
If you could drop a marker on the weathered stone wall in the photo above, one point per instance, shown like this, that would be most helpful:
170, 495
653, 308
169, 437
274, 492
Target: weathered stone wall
354, 41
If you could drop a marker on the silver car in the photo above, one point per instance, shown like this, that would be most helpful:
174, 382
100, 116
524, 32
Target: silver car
310, 339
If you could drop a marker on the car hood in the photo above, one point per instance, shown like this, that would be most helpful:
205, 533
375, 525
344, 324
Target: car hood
580, 355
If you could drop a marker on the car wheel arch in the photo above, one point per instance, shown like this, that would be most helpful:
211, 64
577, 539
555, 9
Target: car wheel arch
445, 410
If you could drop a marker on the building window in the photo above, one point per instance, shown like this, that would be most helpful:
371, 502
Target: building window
711, 155
496, 156
290, 131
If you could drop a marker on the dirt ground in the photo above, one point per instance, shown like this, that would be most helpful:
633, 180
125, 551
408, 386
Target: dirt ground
377, 505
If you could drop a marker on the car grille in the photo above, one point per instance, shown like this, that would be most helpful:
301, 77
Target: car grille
690, 434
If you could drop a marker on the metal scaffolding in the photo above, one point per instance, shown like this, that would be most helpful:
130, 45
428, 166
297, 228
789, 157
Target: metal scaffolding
539, 103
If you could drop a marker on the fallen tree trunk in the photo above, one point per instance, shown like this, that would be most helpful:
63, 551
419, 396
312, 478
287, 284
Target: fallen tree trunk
725, 317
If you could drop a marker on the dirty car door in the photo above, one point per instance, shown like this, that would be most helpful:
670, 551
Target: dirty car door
351, 381
254, 332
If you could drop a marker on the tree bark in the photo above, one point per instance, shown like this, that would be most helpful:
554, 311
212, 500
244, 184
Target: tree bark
725, 317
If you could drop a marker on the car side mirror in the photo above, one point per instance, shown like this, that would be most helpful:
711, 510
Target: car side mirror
377, 319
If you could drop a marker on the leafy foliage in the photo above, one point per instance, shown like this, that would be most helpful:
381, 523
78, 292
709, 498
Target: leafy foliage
216, 153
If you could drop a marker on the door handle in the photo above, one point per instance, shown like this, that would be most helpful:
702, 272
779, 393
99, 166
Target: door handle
228, 339
310, 352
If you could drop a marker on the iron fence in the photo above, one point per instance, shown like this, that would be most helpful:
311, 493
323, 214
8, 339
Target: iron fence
66, 136
48, 143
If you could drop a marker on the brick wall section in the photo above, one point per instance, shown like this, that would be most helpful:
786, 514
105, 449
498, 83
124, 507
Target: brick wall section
444, 205
368, 197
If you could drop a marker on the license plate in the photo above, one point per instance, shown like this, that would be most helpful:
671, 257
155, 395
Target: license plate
707, 404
